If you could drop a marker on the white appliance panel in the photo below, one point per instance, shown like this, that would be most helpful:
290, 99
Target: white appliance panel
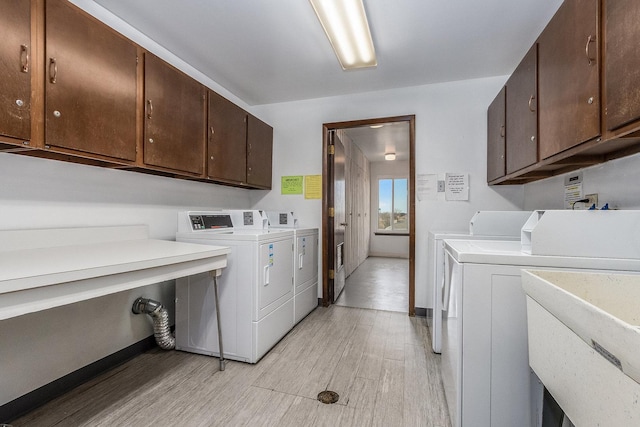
305, 301
305, 273
306, 259
275, 276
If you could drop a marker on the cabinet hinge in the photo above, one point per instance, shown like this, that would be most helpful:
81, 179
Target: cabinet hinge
332, 150
137, 60
332, 212
332, 274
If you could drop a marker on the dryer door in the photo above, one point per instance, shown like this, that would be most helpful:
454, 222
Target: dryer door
275, 276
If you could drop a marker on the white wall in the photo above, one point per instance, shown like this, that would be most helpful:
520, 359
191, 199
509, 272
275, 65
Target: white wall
36, 193
616, 183
450, 137
380, 245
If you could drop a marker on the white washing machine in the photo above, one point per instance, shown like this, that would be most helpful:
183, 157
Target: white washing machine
484, 225
485, 364
305, 269
255, 290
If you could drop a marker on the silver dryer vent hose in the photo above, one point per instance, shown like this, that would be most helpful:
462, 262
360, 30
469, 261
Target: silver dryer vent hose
161, 327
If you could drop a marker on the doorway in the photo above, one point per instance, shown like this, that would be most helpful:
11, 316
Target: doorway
335, 225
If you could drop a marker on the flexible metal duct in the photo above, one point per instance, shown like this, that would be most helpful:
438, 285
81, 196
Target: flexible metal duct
161, 327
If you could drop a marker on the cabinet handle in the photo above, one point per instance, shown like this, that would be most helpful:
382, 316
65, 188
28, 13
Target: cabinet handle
53, 70
149, 109
590, 40
24, 58
531, 98
502, 131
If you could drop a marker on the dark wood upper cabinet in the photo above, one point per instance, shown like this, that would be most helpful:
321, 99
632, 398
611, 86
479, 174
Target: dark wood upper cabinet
622, 62
569, 78
496, 132
15, 69
522, 114
91, 81
227, 146
259, 153
175, 118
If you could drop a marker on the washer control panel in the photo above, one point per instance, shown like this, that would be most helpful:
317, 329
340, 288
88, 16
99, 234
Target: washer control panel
210, 221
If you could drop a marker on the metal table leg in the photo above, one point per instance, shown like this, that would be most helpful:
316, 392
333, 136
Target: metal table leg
215, 275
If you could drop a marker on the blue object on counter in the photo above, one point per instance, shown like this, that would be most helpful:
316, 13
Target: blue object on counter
605, 207
593, 207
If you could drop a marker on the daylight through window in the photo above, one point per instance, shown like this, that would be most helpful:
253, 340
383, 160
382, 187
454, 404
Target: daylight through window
392, 204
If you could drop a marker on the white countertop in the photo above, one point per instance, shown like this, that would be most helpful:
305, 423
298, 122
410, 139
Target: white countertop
38, 278
501, 252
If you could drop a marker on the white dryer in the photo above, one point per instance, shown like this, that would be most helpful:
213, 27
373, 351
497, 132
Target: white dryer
484, 225
256, 289
305, 260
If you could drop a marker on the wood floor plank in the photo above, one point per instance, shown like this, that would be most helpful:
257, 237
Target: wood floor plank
371, 362
394, 348
389, 404
345, 371
302, 412
424, 401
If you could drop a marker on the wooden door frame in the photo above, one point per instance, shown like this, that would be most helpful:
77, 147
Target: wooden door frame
326, 182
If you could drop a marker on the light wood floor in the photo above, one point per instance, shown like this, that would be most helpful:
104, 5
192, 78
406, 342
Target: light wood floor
377, 361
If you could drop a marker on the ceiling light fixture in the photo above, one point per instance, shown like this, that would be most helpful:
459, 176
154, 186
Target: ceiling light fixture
390, 156
346, 26
376, 126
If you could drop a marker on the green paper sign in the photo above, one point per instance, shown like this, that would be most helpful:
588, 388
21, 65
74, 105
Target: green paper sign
291, 184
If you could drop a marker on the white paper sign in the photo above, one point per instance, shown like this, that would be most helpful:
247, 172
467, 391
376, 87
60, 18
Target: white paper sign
572, 189
457, 186
427, 187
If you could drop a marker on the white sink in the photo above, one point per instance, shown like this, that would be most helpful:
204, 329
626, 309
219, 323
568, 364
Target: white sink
584, 342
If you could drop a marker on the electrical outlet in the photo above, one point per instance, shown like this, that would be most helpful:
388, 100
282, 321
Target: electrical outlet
593, 200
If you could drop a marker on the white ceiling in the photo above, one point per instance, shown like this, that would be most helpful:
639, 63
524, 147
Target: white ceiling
374, 143
268, 51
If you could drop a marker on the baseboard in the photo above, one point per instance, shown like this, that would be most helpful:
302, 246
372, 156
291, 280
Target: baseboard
424, 312
32, 400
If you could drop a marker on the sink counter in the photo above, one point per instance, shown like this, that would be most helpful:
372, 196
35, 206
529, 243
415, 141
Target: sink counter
584, 343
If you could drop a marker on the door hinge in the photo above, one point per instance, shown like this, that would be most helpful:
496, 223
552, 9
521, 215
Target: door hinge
331, 150
332, 274
332, 212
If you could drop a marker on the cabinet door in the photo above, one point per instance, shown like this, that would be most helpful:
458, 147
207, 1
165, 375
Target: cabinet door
259, 152
227, 141
522, 115
90, 86
15, 55
175, 118
568, 78
496, 131
622, 62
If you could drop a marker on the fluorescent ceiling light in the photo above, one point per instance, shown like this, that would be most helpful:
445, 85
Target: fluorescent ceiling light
346, 26
390, 156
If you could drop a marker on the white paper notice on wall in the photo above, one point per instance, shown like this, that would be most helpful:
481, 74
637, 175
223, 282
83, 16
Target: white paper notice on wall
457, 186
572, 189
427, 187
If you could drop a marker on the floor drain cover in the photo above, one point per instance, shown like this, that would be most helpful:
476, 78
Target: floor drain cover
328, 396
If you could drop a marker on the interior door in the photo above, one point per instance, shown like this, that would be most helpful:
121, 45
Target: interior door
339, 221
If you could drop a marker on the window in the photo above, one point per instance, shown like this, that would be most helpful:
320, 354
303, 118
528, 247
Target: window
393, 201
